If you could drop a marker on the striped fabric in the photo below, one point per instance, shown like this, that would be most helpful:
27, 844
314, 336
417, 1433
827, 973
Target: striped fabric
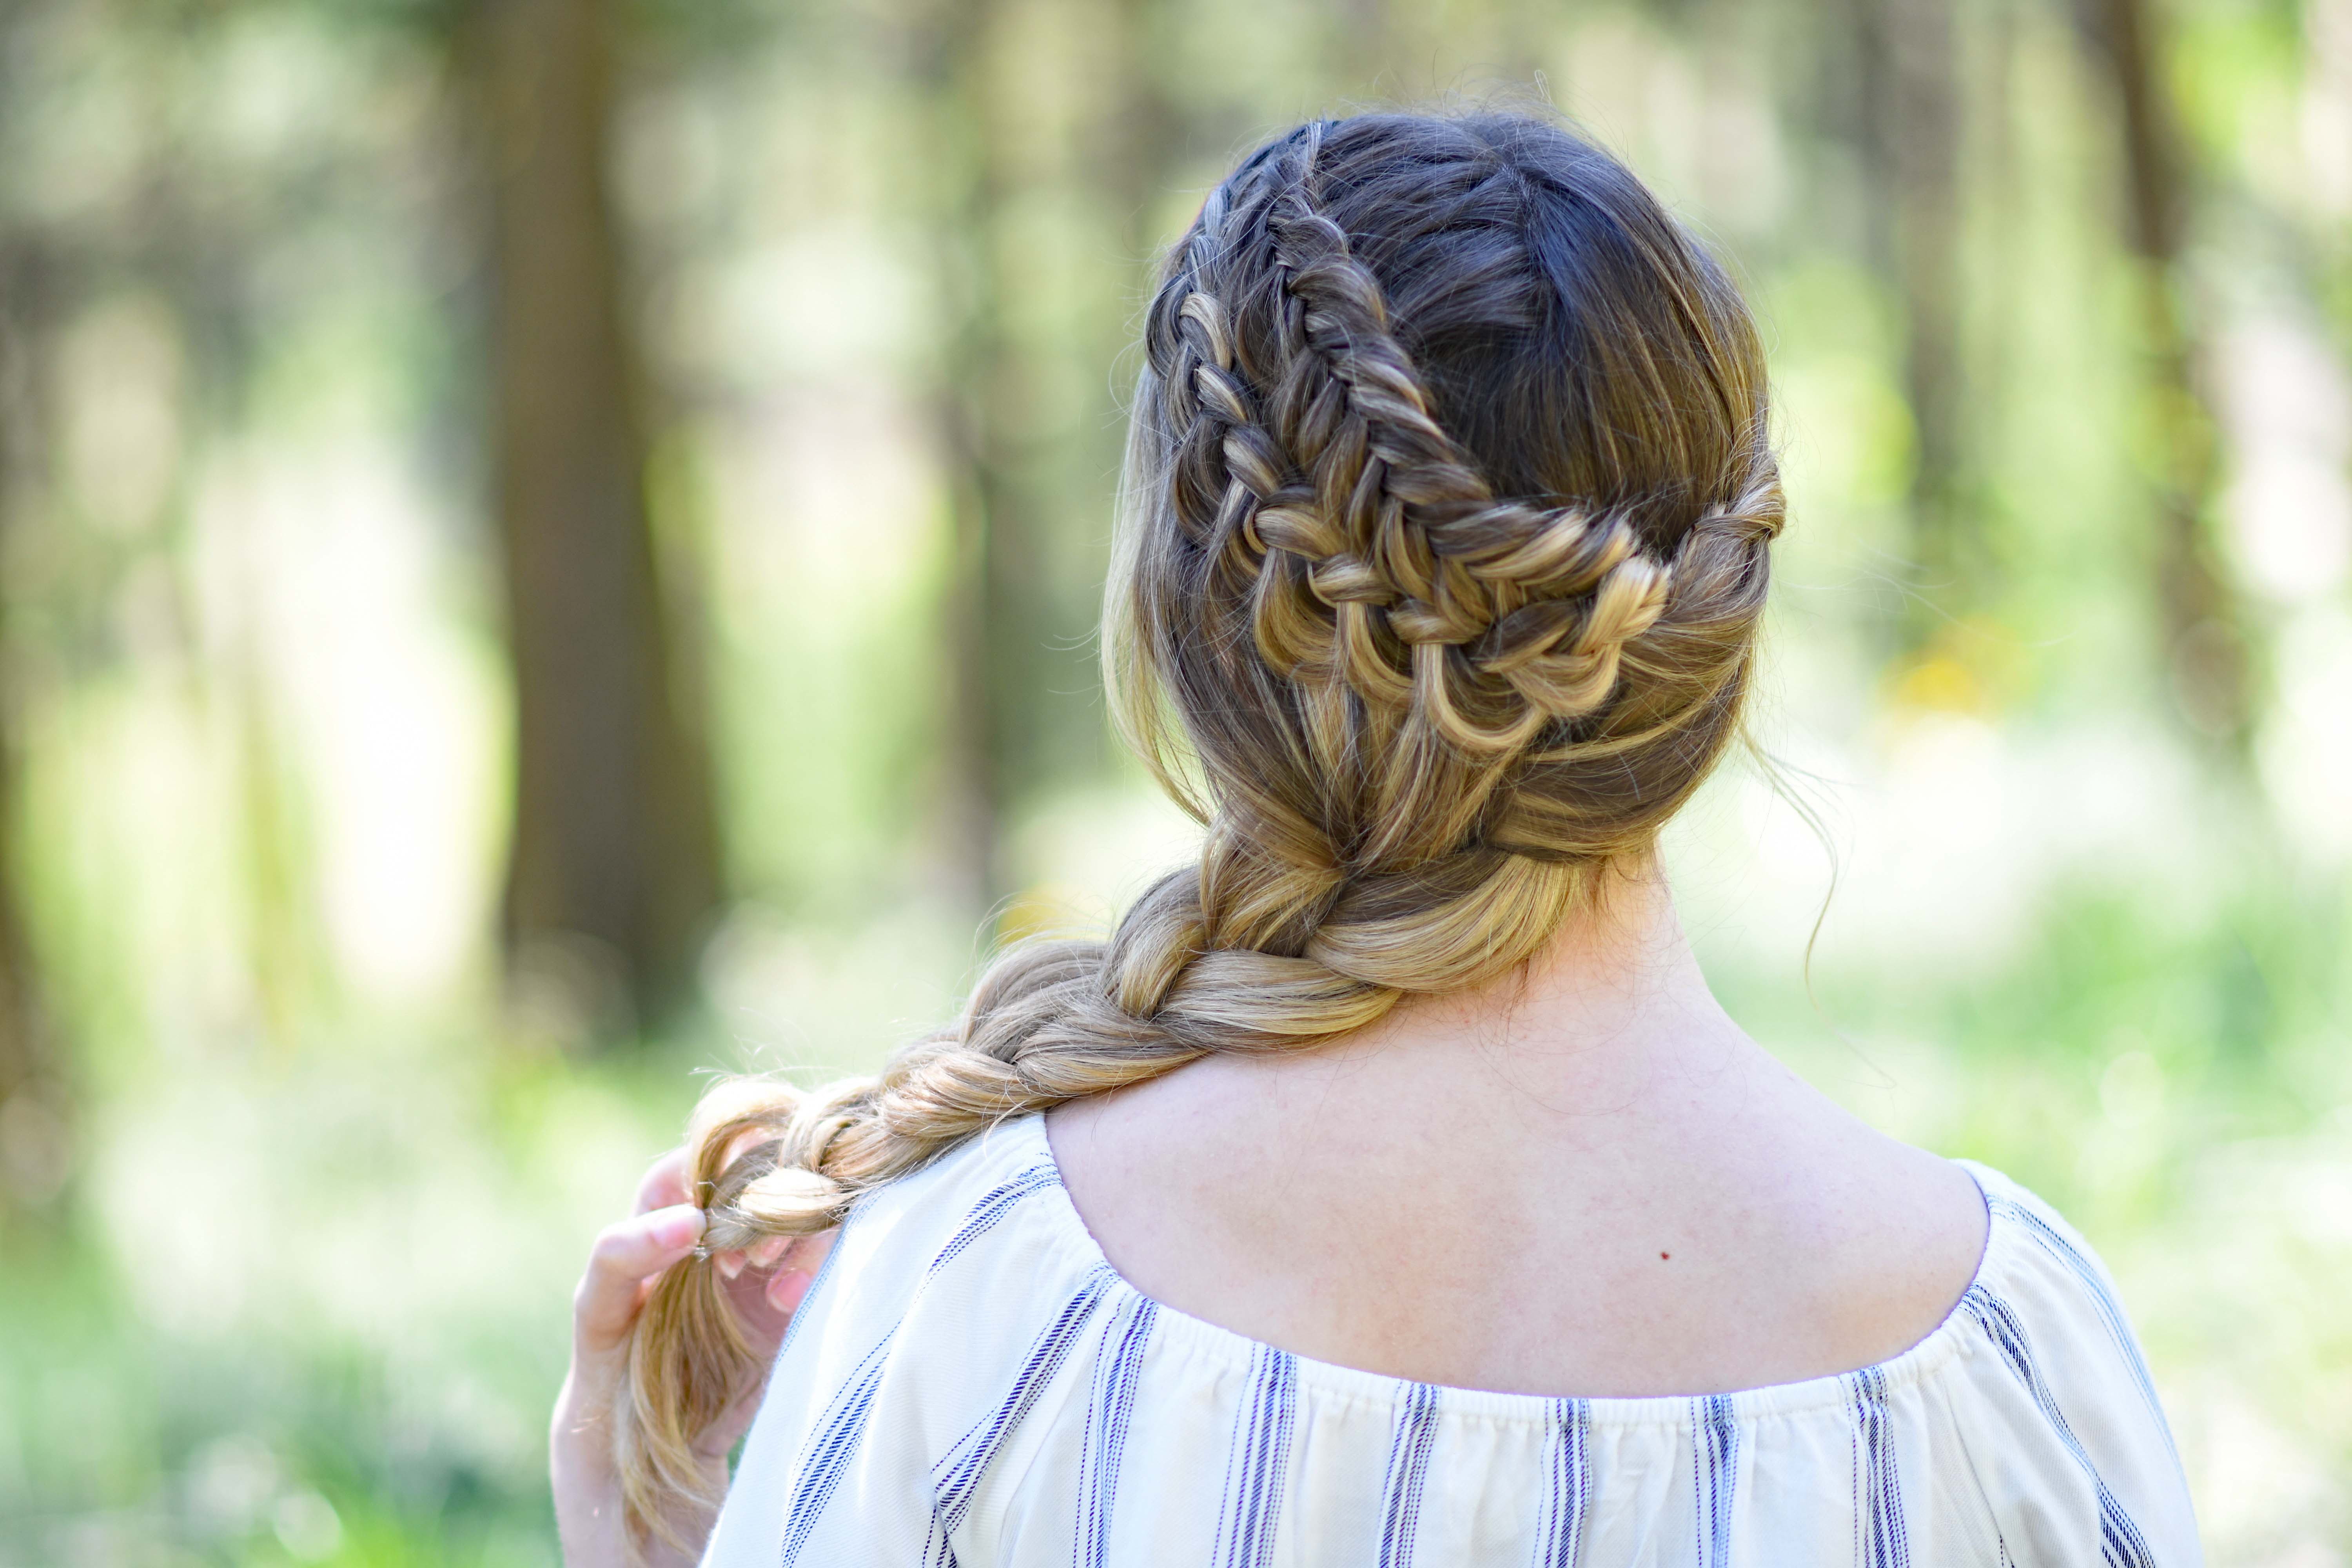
1110, 1407
1880, 1541
1715, 1477
971, 1384
1408, 1474
1257, 1463
1567, 1487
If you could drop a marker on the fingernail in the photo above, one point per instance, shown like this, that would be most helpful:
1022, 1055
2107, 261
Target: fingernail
768, 1251
731, 1264
679, 1227
788, 1288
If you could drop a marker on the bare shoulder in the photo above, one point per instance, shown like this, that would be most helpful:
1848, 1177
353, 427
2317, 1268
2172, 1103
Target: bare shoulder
1904, 1231
1747, 1232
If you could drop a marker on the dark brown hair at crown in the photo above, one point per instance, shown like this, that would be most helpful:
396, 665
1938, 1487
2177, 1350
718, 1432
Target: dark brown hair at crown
1570, 336
1561, 352
1446, 531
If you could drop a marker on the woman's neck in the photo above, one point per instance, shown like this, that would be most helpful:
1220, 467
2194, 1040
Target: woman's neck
1611, 1009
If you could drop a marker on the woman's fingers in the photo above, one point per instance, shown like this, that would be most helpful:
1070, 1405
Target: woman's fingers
626, 1256
767, 1283
665, 1184
789, 1284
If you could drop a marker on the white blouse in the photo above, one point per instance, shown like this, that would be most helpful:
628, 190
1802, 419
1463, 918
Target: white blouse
970, 1383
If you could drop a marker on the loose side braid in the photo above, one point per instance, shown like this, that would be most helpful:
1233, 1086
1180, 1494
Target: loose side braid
1448, 504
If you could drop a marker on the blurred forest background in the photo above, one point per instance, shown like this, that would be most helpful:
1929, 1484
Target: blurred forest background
546, 544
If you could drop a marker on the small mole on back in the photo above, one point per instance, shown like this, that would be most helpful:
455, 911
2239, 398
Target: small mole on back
1662, 1257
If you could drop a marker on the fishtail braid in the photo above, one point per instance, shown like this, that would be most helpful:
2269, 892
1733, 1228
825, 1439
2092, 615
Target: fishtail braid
1448, 514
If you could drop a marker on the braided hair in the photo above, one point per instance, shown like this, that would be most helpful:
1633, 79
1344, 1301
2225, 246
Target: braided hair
1447, 510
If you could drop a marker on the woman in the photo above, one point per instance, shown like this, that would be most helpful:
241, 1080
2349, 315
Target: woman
1389, 1189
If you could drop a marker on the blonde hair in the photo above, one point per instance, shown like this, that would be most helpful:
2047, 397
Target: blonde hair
1443, 549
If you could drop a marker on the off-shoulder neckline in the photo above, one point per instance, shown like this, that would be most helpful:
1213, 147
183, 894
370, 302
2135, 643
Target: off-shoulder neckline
1833, 1391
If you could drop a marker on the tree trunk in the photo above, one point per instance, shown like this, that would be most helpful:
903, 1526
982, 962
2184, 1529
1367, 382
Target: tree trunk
2202, 621
989, 618
1147, 139
33, 1102
615, 847
1911, 79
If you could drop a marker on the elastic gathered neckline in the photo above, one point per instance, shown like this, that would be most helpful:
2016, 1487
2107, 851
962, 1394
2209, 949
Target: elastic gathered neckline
1238, 1353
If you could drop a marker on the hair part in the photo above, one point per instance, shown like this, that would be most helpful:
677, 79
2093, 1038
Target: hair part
1443, 546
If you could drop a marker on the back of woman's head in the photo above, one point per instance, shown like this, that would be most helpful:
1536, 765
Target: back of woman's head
1447, 513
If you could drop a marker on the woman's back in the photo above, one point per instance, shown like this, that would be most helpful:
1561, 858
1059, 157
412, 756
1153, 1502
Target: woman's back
972, 1382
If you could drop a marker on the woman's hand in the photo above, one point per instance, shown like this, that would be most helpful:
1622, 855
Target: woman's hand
766, 1285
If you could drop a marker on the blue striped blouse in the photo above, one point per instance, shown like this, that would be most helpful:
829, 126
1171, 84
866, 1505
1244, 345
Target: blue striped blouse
970, 1383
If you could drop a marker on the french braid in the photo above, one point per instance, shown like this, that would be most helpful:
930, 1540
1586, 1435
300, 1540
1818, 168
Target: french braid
1422, 687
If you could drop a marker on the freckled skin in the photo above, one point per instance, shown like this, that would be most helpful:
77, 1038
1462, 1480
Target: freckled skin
1463, 1193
